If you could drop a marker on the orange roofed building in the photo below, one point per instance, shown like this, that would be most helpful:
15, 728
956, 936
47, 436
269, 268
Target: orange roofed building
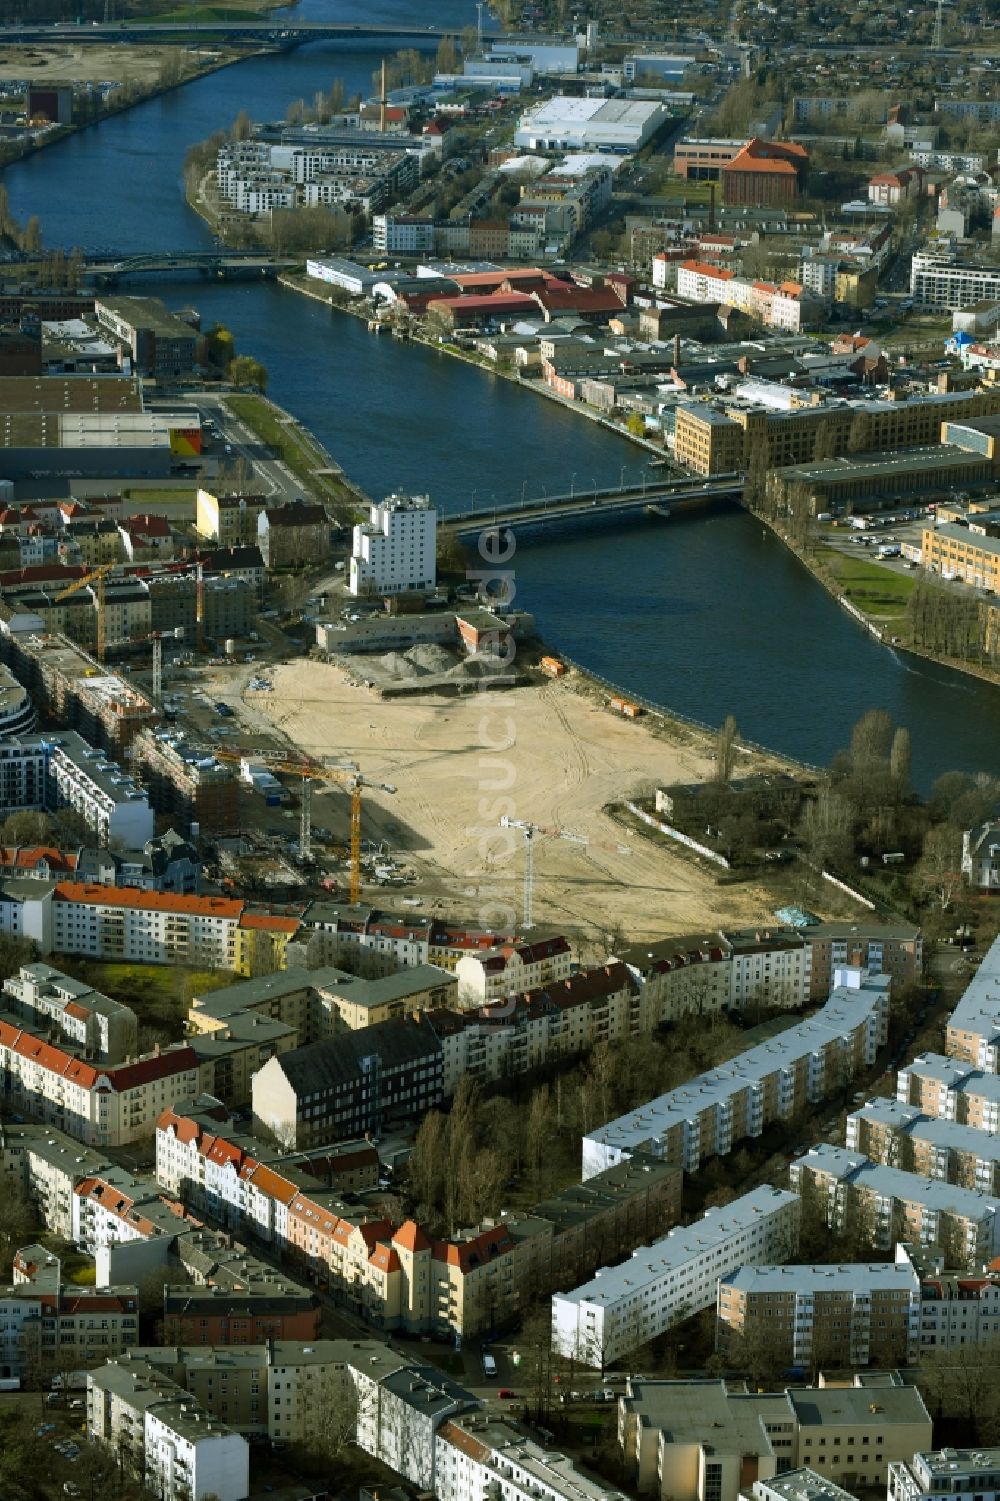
765, 174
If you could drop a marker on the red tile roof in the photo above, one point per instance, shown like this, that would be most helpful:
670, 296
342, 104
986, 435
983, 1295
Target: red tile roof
411, 1237
148, 901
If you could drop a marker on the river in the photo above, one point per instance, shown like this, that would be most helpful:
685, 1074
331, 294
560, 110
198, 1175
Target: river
707, 616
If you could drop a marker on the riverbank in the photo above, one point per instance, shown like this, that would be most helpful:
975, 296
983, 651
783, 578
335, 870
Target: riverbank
416, 335
872, 623
16, 151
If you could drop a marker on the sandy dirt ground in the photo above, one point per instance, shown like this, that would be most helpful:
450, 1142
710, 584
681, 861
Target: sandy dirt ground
78, 64
547, 755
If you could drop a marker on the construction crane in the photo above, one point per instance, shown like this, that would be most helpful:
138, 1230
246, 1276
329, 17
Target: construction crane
98, 577
531, 831
314, 771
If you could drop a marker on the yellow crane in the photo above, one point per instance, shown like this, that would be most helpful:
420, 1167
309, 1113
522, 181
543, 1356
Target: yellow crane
313, 771
98, 577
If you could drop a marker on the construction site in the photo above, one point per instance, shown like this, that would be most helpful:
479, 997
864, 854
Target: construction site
437, 775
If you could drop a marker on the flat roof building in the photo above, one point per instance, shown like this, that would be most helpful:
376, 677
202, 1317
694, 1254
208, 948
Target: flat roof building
586, 124
886, 1204
625, 1306
973, 1033
711, 1112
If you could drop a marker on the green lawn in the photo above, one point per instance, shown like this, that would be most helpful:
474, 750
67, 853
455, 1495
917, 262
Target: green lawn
159, 994
294, 444
881, 592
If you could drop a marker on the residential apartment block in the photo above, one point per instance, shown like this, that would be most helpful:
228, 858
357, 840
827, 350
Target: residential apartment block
710, 1113
395, 1275
901, 1136
787, 305
981, 856
625, 1306
973, 1033
930, 1474
292, 534
514, 968
229, 520
350, 1084
395, 551
823, 1317
75, 690
559, 1020
173, 1446
186, 782
48, 772
886, 1204
893, 949
101, 1104
943, 282
46, 1325
704, 1441
106, 1030
951, 1090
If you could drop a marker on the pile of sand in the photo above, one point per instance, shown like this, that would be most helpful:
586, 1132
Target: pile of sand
429, 657
395, 665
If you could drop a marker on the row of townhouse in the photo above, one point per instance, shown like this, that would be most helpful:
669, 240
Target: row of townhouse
396, 1276
882, 1205
48, 1327
432, 1432
660, 1285
772, 967
710, 1440
525, 1032
950, 1090
709, 1114
787, 305
973, 1031
899, 1135
132, 1230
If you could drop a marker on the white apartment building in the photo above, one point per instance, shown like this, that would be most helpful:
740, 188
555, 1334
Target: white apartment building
48, 1164
101, 1104
396, 549
480, 1457
942, 283
60, 770
935, 1475
706, 1116
786, 305
106, 1029
628, 1305
147, 926
958, 1311
981, 849
512, 969
169, 1441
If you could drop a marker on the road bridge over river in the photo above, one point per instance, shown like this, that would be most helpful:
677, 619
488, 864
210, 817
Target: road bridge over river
234, 33
586, 504
108, 270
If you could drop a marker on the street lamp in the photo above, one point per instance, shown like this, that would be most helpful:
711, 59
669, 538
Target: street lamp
473, 500
572, 486
621, 480
524, 486
595, 489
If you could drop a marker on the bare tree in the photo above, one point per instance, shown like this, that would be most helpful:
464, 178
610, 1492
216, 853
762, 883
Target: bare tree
725, 750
